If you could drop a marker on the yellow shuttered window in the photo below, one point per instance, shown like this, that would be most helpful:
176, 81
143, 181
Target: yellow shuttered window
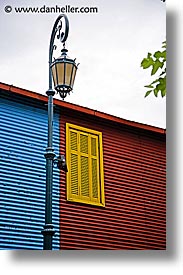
84, 155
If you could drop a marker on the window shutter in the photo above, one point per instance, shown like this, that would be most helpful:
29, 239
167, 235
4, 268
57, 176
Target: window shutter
84, 143
85, 181
94, 179
74, 180
74, 174
94, 168
84, 164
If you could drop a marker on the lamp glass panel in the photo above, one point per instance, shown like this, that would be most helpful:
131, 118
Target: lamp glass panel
68, 73
73, 76
60, 73
54, 74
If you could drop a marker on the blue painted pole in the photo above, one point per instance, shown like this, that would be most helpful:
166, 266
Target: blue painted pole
48, 231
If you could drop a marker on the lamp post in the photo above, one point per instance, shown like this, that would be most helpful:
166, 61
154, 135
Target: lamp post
63, 70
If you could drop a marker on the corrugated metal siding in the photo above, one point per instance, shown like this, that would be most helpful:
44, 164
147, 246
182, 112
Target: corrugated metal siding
135, 191
23, 139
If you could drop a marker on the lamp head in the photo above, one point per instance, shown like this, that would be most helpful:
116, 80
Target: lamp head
63, 71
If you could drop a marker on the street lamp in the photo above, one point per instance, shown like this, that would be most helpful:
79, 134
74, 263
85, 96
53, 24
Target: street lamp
63, 71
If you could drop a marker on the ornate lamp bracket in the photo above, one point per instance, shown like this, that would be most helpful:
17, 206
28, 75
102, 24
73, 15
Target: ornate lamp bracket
60, 32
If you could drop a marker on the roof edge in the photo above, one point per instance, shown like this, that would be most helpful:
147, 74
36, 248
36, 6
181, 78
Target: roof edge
86, 110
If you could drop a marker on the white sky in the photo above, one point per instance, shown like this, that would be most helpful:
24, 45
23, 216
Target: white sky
109, 45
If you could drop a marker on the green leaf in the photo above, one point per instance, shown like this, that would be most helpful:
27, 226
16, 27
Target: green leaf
157, 61
156, 92
148, 93
164, 54
149, 86
149, 55
155, 81
156, 66
163, 92
162, 81
158, 54
160, 87
146, 63
163, 72
164, 44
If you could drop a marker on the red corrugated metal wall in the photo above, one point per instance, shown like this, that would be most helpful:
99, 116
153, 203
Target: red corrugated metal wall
135, 191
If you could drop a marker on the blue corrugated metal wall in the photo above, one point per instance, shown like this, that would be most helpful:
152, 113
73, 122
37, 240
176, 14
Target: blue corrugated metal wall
23, 139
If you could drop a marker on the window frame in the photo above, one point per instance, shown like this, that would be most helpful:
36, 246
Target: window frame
100, 169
